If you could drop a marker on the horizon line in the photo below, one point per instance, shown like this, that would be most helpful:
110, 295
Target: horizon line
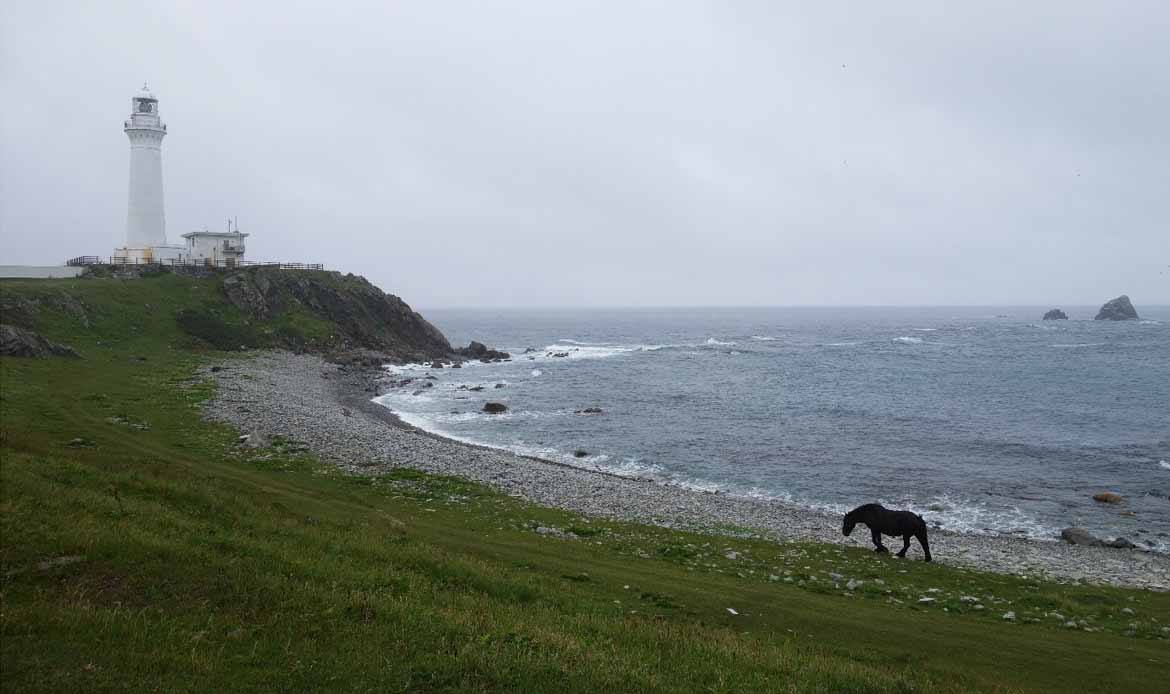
563, 307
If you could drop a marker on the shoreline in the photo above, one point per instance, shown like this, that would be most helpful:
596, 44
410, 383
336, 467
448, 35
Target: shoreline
328, 408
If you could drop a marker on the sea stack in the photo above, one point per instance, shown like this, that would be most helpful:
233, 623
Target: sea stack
1117, 309
1056, 314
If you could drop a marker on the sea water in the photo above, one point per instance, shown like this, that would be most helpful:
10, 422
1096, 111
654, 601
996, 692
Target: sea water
984, 420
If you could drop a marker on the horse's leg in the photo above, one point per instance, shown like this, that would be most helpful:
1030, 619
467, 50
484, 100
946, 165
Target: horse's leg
921, 535
905, 546
877, 540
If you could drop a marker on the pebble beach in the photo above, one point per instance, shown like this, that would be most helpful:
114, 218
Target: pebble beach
327, 408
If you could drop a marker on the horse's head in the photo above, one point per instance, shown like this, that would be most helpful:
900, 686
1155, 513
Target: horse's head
847, 526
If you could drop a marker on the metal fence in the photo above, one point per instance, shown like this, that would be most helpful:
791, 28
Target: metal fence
194, 263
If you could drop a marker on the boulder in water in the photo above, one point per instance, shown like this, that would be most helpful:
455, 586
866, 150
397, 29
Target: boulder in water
1056, 314
480, 351
495, 407
1079, 536
1117, 309
1107, 497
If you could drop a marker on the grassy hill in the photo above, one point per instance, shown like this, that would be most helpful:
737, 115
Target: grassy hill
141, 550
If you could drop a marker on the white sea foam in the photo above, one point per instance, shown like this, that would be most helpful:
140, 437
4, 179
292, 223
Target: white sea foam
567, 349
1164, 465
908, 340
537, 372
1149, 322
1080, 344
842, 344
712, 341
927, 330
765, 338
951, 513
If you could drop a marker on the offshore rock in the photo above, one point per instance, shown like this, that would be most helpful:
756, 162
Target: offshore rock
495, 408
480, 351
1056, 314
18, 342
1117, 309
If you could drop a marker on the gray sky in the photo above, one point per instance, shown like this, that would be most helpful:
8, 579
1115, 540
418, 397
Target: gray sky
617, 153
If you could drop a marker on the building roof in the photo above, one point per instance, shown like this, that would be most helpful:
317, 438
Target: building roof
225, 234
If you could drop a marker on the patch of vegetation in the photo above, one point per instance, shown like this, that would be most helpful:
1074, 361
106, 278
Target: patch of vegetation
210, 326
167, 558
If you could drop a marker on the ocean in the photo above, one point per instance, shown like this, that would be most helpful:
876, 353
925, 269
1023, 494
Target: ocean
984, 420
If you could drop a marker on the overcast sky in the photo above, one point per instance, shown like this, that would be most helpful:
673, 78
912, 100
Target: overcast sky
617, 153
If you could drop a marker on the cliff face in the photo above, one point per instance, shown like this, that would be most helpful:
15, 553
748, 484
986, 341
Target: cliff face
357, 315
341, 316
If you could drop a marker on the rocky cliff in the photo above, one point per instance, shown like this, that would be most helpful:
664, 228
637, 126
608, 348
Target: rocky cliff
341, 316
355, 314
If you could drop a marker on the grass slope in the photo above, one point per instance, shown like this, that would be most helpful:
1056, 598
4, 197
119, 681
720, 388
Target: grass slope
142, 551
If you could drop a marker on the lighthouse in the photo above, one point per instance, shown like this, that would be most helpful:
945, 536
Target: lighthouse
146, 226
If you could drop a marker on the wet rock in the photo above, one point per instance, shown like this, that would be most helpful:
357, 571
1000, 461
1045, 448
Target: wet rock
480, 351
1080, 536
580, 453
589, 410
1117, 309
1055, 314
1107, 497
495, 407
1122, 543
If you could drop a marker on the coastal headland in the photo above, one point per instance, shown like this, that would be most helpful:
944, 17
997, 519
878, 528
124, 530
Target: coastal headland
302, 539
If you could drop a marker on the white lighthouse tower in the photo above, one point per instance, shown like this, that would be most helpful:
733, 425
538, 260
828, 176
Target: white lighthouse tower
146, 227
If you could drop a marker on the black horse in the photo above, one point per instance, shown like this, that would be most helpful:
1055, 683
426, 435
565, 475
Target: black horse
882, 521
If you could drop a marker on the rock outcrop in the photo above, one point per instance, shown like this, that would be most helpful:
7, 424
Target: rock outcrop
480, 351
1056, 314
1080, 536
495, 408
19, 342
362, 316
1118, 309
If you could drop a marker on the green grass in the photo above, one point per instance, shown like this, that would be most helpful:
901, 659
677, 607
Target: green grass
155, 555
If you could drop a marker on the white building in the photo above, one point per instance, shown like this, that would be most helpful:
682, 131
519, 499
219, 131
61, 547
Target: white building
146, 227
215, 247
